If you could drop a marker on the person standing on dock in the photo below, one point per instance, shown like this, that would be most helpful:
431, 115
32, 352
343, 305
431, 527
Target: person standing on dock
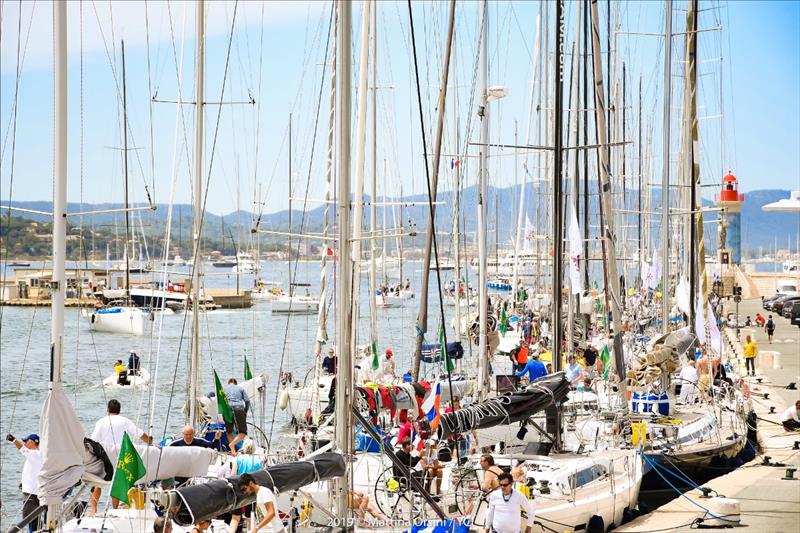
790, 418
750, 352
770, 327
29, 448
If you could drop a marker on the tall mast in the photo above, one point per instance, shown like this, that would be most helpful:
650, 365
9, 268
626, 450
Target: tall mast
433, 181
483, 299
361, 153
125, 172
557, 197
373, 209
58, 285
289, 231
344, 370
585, 56
194, 371
607, 225
665, 157
640, 255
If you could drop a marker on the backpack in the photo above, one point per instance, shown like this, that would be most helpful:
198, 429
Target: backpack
770, 324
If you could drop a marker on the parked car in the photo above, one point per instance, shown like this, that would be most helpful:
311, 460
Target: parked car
770, 299
777, 306
789, 305
770, 306
795, 318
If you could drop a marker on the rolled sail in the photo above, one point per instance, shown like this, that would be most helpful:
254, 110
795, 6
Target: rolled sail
192, 504
508, 408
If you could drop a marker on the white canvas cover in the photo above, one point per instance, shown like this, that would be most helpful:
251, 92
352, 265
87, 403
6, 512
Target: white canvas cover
64, 453
168, 462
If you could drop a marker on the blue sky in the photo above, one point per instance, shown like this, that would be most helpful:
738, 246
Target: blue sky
760, 43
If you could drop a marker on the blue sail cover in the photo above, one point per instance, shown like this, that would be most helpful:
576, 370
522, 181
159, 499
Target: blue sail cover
432, 353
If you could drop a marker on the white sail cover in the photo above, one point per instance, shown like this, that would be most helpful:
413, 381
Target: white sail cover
64, 461
169, 461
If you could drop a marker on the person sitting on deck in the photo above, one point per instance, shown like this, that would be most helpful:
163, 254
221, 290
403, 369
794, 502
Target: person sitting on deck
133, 363
790, 418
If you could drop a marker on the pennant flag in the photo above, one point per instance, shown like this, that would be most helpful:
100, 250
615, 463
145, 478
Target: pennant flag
699, 320
130, 469
575, 250
605, 358
448, 363
248, 374
503, 327
223, 407
418, 443
431, 407
375, 362
713, 329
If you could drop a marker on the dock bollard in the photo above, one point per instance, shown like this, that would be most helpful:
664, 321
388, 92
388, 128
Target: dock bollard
772, 409
790, 474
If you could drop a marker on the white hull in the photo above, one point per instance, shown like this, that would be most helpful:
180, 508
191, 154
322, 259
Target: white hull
128, 320
139, 381
295, 304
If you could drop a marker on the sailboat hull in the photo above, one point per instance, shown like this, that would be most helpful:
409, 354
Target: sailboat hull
126, 320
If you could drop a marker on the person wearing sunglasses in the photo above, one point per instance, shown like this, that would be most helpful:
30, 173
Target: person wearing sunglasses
507, 506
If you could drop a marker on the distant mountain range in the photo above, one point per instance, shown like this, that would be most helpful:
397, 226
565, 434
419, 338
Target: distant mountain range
759, 228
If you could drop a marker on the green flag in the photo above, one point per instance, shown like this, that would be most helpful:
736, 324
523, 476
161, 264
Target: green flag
130, 469
375, 362
248, 374
605, 357
503, 322
223, 406
448, 363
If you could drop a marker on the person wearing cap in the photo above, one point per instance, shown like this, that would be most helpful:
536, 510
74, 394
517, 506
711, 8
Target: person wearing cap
389, 373
329, 362
534, 368
29, 448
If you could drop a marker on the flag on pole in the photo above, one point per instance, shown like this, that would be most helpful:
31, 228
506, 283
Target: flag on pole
699, 320
130, 469
431, 406
503, 322
223, 407
605, 358
448, 363
713, 329
248, 374
575, 250
375, 362
527, 246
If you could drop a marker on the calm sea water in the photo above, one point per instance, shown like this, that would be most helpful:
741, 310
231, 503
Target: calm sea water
227, 337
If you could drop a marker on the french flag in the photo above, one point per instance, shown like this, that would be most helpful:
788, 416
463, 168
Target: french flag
431, 407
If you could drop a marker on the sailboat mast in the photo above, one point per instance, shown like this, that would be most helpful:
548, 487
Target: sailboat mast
665, 156
58, 284
557, 200
125, 172
194, 371
344, 370
289, 230
373, 209
483, 299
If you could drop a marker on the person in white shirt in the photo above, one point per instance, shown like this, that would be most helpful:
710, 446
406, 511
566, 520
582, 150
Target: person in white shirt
688, 377
506, 507
790, 419
109, 430
266, 505
29, 448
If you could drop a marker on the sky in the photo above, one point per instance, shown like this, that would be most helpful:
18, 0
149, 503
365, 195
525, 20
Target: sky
277, 56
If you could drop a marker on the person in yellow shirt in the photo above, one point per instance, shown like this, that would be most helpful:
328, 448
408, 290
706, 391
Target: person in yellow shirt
119, 367
750, 352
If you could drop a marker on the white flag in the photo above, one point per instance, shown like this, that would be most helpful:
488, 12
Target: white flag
527, 246
654, 273
575, 250
716, 338
699, 320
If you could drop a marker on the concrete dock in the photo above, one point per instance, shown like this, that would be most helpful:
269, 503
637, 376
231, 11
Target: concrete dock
768, 502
